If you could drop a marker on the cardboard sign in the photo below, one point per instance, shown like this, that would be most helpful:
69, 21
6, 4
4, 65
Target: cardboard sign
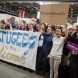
54, 13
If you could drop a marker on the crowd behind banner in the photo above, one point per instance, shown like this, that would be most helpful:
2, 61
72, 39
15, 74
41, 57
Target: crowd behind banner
54, 47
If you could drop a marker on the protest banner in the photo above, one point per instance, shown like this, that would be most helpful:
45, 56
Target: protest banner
19, 47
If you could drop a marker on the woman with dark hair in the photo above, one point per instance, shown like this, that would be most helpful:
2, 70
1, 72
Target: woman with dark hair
56, 52
45, 44
43, 28
46, 48
39, 50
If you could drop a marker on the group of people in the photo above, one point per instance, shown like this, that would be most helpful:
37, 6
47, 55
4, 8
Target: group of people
9, 24
12, 24
52, 52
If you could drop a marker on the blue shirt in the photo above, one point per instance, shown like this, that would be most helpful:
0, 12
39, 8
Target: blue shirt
14, 25
47, 41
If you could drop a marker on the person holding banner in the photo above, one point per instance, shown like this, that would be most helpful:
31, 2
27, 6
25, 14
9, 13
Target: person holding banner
39, 50
31, 26
56, 52
13, 23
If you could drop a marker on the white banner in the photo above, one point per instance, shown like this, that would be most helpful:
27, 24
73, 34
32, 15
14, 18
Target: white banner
7, 16
19, 47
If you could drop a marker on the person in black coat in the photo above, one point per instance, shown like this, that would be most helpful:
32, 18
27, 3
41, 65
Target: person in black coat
39, 50
74, 57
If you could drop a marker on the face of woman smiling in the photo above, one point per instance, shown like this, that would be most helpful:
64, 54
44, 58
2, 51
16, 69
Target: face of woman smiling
42, 27
49, 30
58, 32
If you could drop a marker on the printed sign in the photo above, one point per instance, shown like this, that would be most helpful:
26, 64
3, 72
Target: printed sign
72, 47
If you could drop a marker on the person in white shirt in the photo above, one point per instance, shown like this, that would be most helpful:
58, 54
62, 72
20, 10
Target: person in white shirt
56, 52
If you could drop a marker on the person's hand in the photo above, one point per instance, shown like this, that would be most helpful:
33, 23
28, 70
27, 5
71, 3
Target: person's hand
74, 53
68, 62
49, 56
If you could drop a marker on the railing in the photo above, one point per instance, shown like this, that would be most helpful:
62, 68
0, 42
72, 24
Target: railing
8, 11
